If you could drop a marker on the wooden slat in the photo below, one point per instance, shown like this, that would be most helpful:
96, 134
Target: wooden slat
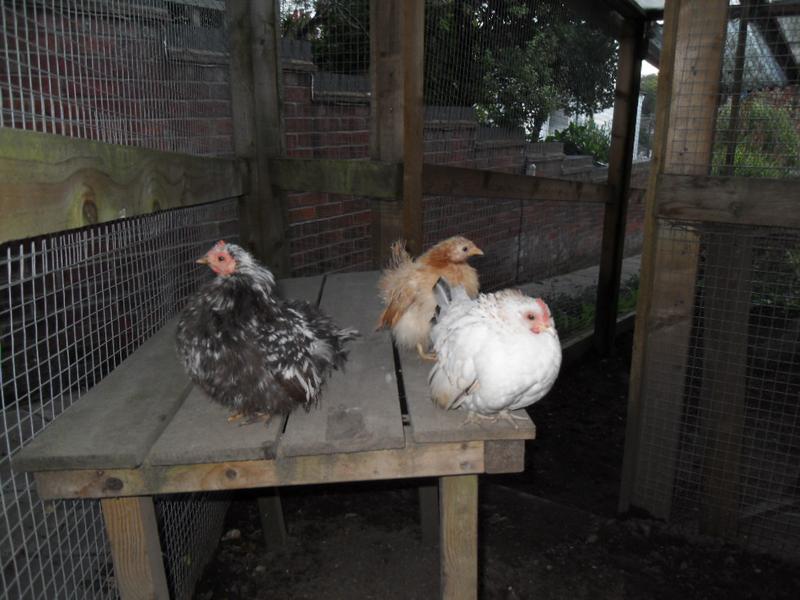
458, 506
737, 200
200, 433
429, 423
115, 424
425, 460
369, 178
135, 548
441, 180
51, 182
359, 409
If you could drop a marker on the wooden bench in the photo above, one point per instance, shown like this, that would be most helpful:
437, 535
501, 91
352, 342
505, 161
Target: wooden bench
145, 430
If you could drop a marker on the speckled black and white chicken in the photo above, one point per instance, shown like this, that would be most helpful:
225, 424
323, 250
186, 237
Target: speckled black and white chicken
496, 353
248, 348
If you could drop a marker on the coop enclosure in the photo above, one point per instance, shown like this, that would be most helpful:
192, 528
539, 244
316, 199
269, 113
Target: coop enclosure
135, 133
713, 430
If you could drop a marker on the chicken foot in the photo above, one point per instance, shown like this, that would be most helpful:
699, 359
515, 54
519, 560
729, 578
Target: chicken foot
257, 417
425, 355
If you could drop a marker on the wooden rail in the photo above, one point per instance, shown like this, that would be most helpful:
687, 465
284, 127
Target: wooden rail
52, 182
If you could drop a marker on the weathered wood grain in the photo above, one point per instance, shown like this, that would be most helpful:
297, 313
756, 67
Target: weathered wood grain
442, 180
135, 548
51, 182
429, 423
413, 41
373, 179
505, 456
200, 433
458, 498
359, 409
736, 200
115, 424
422, 460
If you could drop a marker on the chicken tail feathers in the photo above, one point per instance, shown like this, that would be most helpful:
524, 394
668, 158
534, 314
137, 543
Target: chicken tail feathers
444, 296
399, 254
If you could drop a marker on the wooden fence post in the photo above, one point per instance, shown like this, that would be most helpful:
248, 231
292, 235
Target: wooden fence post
631, 51
397, 113
258, 125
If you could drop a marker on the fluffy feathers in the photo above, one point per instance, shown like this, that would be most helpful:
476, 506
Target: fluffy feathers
406, 287
249, 349
496, 353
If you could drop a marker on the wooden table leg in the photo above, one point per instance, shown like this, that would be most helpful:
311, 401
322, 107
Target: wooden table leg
270, 511
135, 547
458, 550
429, 511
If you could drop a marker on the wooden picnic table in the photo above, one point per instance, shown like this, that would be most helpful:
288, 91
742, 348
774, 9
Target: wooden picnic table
146, 430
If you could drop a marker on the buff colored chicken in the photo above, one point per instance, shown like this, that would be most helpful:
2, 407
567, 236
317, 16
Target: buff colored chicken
406, 288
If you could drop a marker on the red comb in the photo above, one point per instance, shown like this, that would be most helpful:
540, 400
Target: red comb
543, 306
219, 244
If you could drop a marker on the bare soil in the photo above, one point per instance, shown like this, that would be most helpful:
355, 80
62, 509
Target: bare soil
551, 532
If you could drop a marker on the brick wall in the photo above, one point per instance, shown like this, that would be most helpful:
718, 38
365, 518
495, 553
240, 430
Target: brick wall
333, 232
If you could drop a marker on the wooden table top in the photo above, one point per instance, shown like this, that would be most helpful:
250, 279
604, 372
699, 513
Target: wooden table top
147, 415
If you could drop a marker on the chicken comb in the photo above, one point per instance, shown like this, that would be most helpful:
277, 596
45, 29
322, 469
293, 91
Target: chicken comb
220, 244
543, 306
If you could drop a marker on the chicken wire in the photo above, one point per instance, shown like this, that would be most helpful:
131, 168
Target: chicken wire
325, 50
151, 73
533, 246
719, 446
73, 305
756, 131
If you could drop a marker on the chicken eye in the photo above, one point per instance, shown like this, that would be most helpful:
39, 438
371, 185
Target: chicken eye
530, 316
464, 249
221, 258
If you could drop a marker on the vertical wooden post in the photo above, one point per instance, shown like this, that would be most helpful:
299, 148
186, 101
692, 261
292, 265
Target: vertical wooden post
135, 548
258, 125
397, 114
429, 512
270, 512
458, 550
626, 102
665, 309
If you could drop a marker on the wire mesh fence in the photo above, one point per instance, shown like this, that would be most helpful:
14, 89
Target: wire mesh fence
150, 73
720, 447
325, 66
72, 306
757, 90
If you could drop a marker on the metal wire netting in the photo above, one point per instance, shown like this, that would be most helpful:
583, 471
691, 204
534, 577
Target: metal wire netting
72, 306
720, 444
326, 103
150, 73
755, 128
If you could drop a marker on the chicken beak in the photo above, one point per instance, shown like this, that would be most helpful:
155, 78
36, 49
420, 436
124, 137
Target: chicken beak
202, 261
476, 252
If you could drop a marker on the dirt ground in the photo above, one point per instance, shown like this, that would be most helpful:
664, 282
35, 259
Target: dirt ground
549, 533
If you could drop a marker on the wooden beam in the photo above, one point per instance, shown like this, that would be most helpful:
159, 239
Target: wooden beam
623, 130
257, 124
441, 180
386, 114
413, 122
357, 177
633, 422
736, 200
50, 183
415, 460
270, 512
135, 548
458, 546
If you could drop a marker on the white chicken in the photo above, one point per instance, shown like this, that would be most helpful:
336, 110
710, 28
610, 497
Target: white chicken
496, 353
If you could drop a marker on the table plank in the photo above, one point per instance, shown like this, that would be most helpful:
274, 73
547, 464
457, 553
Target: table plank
116, 422
359, 409
429, 423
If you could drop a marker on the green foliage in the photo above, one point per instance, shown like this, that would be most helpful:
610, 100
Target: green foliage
588, 138
763, 142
